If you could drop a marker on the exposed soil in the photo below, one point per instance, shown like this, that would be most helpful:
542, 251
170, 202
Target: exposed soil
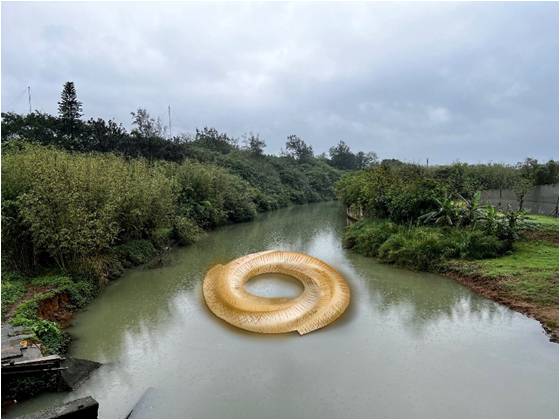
490, 288
57, 308
541, 235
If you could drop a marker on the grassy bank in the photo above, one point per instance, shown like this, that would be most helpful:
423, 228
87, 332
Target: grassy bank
524, 277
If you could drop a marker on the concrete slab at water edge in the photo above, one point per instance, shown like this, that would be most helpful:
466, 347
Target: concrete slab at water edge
16, 344
82, 408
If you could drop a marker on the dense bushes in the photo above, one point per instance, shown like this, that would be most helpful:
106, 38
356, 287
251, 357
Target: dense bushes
403, 191
419, 221
135, 252
75, 210
186, 231
420, 247
212, 196
399, 193
70, 206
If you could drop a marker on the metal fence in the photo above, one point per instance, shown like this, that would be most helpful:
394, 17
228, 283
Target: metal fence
542, 199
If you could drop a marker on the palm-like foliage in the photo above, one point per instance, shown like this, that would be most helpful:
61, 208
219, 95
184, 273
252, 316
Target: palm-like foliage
447, 213
490, 219
505, 225
470, 211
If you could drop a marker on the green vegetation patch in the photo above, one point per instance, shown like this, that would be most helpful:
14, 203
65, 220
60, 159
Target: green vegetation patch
186, 231
161, 237
80, 292
529, 273
420, 247
71, 207
48, 332
544, 221
45, 288
13, 289
137, 251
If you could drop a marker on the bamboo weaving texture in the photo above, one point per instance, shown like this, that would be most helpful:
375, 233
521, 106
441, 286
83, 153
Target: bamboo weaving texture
325, 295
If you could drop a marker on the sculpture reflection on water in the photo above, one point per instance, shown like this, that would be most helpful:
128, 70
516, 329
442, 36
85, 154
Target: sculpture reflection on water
325, 295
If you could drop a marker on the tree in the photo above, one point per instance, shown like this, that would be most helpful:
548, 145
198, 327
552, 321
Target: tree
69, 108
146, 126
528, 169
255, 145
297, 149
342, 157
365, 160
547, 173
521, 187
211, 139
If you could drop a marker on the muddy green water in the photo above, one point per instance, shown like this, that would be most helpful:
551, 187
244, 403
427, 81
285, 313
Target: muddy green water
410, 345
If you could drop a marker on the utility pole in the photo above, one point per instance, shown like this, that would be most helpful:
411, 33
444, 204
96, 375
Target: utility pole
427, 162
169, 115
29, 97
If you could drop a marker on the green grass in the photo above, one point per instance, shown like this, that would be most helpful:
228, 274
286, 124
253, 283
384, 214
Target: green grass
529, 273
544, 222
13, 289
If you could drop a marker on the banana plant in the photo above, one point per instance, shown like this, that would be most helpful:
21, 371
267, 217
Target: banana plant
490, 219
447, 213
471, 211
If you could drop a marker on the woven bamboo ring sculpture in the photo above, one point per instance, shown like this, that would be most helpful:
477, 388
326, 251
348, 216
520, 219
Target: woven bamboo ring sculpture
324, 298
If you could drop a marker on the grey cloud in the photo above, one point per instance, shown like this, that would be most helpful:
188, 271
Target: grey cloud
445, 81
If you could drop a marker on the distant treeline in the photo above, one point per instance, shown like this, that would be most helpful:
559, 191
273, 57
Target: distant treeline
148, 140
467, 179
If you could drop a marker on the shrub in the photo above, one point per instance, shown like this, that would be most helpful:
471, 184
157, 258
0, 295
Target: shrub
51, 335
367, 236
401, 194
72, 206
212, 196
98, 269
136, 252
420, 247
186, 231
161, 237
481, 245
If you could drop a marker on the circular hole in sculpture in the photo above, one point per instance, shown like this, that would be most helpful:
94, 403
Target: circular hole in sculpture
274, 285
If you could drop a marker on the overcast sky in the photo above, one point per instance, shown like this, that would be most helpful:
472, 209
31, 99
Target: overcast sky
473, 82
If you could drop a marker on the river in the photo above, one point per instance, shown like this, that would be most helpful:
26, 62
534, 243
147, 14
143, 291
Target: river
410, 344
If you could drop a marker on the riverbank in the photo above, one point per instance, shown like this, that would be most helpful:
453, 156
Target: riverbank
44, 304
525, 279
